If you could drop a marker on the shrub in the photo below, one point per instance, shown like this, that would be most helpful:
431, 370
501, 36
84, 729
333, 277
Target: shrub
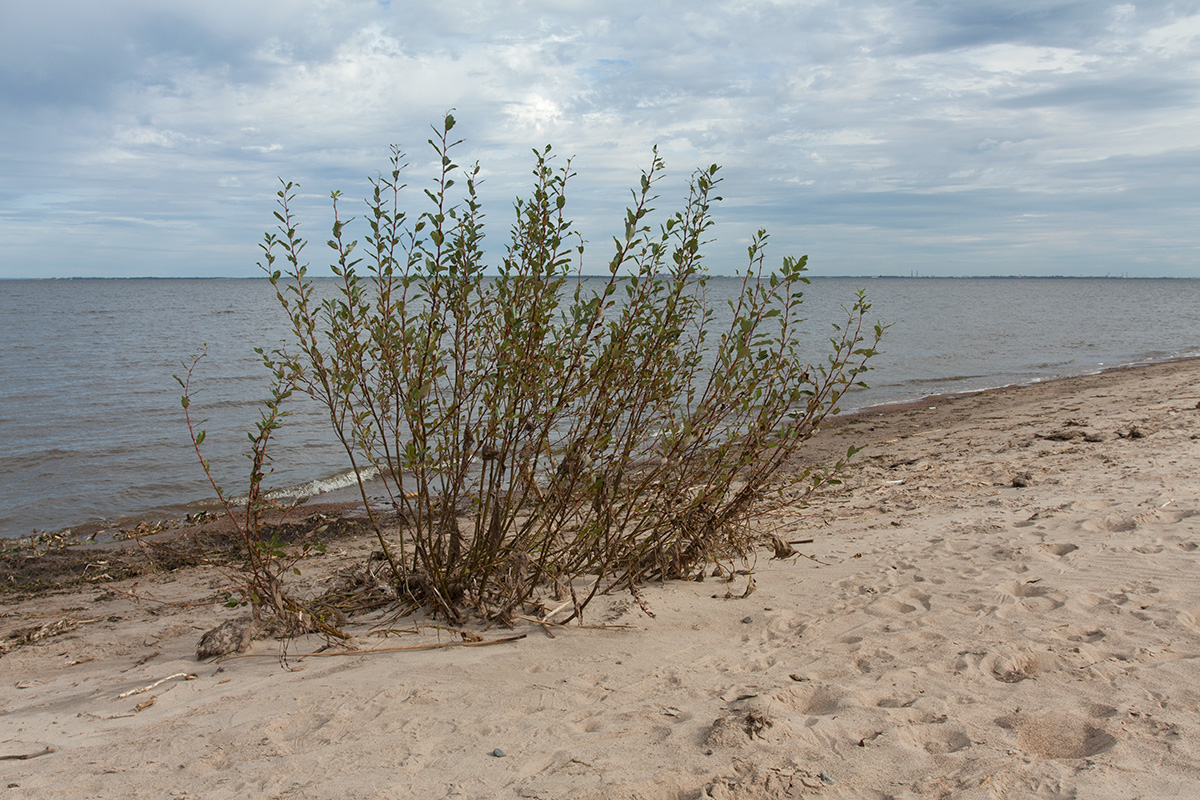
535, 431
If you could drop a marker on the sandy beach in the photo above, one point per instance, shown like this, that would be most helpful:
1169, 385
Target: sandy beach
1002, 600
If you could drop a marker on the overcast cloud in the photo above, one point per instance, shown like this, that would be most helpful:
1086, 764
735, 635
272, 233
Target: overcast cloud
145, 137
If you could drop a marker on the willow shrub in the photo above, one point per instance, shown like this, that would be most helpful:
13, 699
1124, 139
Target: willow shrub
533, 432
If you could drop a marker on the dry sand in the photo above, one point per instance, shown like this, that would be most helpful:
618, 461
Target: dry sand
952, 635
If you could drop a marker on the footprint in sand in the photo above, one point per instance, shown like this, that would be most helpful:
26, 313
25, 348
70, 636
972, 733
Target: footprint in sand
1033, 596
1016, 664
888, 606
875, 661
1059, 550
1113, 524
1191, 618
893, 701
1052, 734
816, 701
905, 601
1089, 636
787, 625
1159, 517
939, 739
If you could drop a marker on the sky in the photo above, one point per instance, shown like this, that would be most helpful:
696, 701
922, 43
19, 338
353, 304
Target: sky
1035, 137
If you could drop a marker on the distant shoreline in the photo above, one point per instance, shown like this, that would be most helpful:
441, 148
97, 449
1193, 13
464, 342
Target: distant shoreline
812, 276
884, 409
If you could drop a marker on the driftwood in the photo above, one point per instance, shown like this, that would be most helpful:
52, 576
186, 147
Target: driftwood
187, 676
27, 756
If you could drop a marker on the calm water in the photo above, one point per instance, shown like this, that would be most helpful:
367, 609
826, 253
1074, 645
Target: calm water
91, 426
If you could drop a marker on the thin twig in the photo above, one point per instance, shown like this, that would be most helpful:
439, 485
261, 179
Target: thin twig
187, 676
544, 623
555, 611
374, 650
27, 756
178, 604
545, 626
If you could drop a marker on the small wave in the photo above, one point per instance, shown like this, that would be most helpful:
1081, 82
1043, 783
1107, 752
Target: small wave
946, 379
1156, 356
221, 405
322, 486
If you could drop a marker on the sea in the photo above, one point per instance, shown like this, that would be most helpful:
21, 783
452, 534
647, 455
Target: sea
93, 436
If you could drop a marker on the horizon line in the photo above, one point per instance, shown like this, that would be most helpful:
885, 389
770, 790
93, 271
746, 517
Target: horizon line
999, 276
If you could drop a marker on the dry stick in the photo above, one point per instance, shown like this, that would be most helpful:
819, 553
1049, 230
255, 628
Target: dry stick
814, 558
27, 756
179, 604
545, 623
374, 650
546, 618
545, 626
187, 676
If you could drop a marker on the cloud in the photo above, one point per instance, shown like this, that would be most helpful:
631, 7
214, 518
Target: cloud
956, 133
